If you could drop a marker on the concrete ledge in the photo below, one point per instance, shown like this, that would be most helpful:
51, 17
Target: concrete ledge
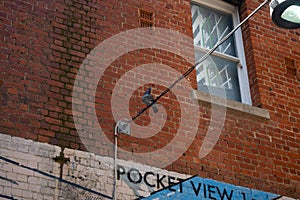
234, 105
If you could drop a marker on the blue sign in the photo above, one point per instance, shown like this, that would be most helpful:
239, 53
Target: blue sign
202, 188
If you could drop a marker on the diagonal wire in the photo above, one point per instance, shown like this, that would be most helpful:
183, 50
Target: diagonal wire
209, 53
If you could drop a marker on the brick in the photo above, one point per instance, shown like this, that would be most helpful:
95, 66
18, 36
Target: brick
51, 46
46, 133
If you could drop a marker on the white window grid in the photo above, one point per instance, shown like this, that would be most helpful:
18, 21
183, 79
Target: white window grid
212, 77
239, 59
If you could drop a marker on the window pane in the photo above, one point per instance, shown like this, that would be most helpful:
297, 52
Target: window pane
209, 26
217, 72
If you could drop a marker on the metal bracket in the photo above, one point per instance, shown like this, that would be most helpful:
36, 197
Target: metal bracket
123, 127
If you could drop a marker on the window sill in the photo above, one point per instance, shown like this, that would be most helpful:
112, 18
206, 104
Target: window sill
234, 105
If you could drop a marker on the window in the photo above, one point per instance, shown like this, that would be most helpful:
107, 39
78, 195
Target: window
226, 68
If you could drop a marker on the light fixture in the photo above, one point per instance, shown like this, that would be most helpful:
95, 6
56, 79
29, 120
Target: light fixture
286, 13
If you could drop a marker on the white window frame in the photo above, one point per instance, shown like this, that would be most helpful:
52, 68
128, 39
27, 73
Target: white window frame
241, 66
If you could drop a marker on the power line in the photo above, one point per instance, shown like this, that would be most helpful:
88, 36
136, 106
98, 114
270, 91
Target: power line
209, 53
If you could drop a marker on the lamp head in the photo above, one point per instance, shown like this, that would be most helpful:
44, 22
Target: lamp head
286, 13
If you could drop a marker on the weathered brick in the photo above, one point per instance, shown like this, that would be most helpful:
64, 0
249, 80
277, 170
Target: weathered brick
44, 44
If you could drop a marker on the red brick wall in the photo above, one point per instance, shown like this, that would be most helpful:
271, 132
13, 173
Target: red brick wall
43, 44
25, 64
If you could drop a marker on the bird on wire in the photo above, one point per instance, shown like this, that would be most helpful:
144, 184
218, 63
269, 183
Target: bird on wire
148, 99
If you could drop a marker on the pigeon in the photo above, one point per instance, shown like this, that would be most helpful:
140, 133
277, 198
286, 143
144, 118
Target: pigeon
148, 99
